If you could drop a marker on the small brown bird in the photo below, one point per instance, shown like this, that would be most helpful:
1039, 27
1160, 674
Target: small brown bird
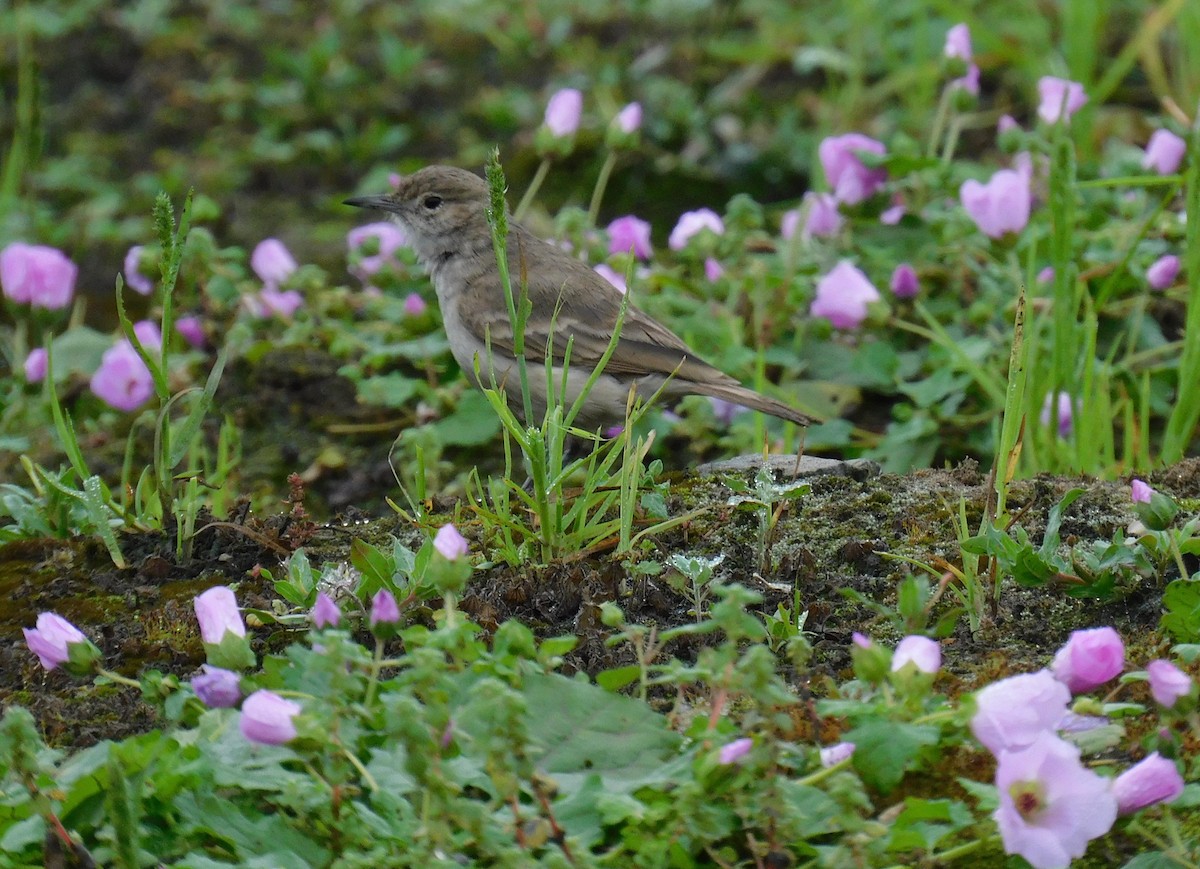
443, 211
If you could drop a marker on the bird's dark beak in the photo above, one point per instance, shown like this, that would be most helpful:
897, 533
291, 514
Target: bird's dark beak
381, 201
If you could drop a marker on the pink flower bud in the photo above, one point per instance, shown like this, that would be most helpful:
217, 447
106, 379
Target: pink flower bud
843, 295
1164, 152
1089, 659
923, 653
629, 234
1154, 780
612, 276
384, 610
713, 270
735, 751
450, 543
693, 222
958, 43
37, 275
51, 639
1140, 492
217, 612
326, 613
893, 215
268, 719
1167, 682
217, 688
148, 334
415, 305
834, 754
134, 278
1163, 272
904, 282
1059, 98
191, 328
563, 112
272, 262
36, 364
629, 119
1065, 411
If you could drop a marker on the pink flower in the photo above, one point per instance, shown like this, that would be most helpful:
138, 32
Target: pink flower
851, 179
713, 270
191, 328
629, 233
217, 612
33, 274
270, 301
1059, 98
1153, 780
414, 305
272, 262
891, 216
904, 282
735, 751
1011, 713
1163, 272
52, 638
1051, 806
326, 613
384, 609
148, 334
217, 688
383, 239
123, 381
923, 653
1006, 124
612, 276
1001, 206
268, 719
861, 640
834, 754
968, 82
692, 222
1167, 682
450, 543
1140, 492
563, 112
724, 411
36, 364
821, 217
843, 295
134, 278
1065, 411
629, 119
1164, 152
1046, 275
1089, 659
958, 43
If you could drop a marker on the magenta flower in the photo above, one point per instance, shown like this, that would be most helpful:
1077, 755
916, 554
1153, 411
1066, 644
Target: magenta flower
1164, 152
1167, 682
843, 295
904, 283
1089, 659
123, 381
450, 543
958, 43
217, 688
217, 612
33, 274
612, 276
191, 328
629, 119
52, 638
272, 262
1155, 779
834, 754
1163, 272
563, 112
36, 364
384, 609
1140, 492
1012, 713
1059, 98
414, 305
923, 653
1065, 411
692, 222
268, 719
326, 613
713, 270
630, 234
735, 751
382, 239
1001, 206
851, 179
1051, 806
134, 279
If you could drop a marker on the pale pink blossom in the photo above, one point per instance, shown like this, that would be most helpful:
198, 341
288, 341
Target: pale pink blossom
958, 43
843, 295
268, 719
894, 214
1000, 206
1006, 124
272, 262
735, 751
630, 233
1167, 682
1059, 98
450, 543
1011, 713
122, 380
1066, 410
134, 278
51, 639
713, 270
37, 275
851, 179
832, 755
326, 613
968, 83
821, 217
191, 328
612, 276
693, 222
1162, 272
629, 119
382, 239
1140, 492
923, 653
1155, 779
36, 364
1089, 659
415, 305
384, 609
563, 112
1164, 152
217, 613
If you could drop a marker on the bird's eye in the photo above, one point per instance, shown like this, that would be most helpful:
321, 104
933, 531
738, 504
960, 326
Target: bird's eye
432, 202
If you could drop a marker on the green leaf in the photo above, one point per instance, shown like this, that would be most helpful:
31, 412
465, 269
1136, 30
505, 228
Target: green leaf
885, 750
